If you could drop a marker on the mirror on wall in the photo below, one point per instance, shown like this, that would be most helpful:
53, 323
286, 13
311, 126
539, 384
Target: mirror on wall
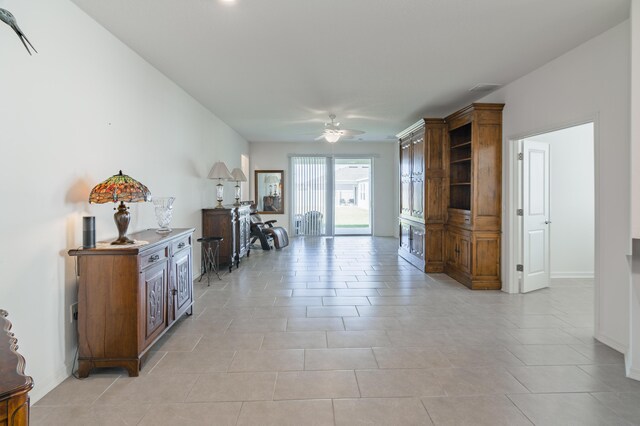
269, 187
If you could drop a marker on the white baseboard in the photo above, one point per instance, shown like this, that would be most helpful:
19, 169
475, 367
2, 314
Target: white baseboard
611, 343
43, 387
572, 274
634, 373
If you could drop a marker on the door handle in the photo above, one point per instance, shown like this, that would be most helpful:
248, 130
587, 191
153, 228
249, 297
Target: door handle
547, 222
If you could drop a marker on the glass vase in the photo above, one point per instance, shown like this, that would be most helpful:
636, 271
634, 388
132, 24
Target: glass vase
164, 212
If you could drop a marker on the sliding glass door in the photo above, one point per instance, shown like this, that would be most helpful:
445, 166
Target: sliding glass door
331, 196
352, 196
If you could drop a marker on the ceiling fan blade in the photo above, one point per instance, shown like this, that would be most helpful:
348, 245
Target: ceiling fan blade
319, 138
349, 132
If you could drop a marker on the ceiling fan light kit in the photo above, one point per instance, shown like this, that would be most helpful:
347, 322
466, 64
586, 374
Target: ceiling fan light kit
332, 131
332, 136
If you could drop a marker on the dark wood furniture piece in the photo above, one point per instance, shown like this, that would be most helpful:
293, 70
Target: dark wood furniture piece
450, 195
475, 196
14, 385
233, 224
128, 297
423, 189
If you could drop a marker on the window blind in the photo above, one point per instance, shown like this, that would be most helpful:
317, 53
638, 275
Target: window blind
309, 195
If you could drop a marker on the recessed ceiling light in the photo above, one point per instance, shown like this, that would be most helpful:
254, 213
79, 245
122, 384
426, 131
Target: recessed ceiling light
228, 1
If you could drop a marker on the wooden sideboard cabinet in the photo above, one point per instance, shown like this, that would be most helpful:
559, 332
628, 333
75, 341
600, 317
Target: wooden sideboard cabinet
128, 297
233, 224
14, 385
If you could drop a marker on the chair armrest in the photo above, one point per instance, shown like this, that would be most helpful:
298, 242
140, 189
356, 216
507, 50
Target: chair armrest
270, 222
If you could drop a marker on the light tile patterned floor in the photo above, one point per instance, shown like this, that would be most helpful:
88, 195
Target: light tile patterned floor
342, 331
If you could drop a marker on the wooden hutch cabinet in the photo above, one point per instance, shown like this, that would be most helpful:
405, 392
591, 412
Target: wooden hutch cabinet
14, 385
423, 187
233, 224
475, 196
130, 296
450, 195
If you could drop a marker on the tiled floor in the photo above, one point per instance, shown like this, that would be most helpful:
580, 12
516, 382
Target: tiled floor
341, 331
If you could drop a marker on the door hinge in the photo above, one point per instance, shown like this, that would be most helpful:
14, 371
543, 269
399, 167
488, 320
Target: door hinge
520, 156
520, 212
519, 268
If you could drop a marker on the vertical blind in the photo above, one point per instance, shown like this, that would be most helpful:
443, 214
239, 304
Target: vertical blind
309, 195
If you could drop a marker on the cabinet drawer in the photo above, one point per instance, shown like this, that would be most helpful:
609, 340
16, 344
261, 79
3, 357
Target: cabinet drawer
461, 218
154, 257
181, 244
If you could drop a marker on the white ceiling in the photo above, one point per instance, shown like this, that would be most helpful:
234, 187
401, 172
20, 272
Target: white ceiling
274, 69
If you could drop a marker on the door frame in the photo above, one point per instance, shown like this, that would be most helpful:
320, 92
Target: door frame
371, 159
512, 225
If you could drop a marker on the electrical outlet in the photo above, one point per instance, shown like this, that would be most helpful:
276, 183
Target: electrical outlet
73, 312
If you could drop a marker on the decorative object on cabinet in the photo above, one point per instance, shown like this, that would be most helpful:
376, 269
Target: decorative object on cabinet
210, 258
8, 18
128, 297
269, 191
475, 196
14, 385
88, 232
164, 213
233, 224
221, 172
423, 188
121, 188
238, 176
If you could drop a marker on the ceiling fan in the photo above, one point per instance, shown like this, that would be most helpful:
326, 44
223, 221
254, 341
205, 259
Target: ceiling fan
333, 132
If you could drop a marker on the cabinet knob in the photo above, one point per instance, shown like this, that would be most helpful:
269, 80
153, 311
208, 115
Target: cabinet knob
181, 245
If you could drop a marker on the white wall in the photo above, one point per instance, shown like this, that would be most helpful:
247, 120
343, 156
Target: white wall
572, 201
633, 357
270, 156
71, 116
589, 83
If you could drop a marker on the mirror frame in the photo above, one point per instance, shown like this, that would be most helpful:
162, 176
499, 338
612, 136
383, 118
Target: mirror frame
259, 197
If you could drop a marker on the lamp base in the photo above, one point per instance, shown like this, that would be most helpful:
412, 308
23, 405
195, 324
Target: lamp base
122, 241
122, 219
219, 206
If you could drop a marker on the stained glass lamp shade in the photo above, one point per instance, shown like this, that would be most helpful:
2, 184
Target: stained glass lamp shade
124, 189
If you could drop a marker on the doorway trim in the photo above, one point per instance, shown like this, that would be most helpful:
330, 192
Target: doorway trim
371, 158
511, 228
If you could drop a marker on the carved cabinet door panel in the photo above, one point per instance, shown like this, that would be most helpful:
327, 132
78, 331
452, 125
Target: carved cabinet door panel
154, 288
405, 178
405, 236
183, 290
417, 241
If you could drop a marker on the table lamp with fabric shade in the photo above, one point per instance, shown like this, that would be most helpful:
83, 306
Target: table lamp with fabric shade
238, 176
124, 189
221, 172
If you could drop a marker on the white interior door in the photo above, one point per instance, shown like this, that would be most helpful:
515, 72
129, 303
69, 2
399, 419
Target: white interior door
536, 221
